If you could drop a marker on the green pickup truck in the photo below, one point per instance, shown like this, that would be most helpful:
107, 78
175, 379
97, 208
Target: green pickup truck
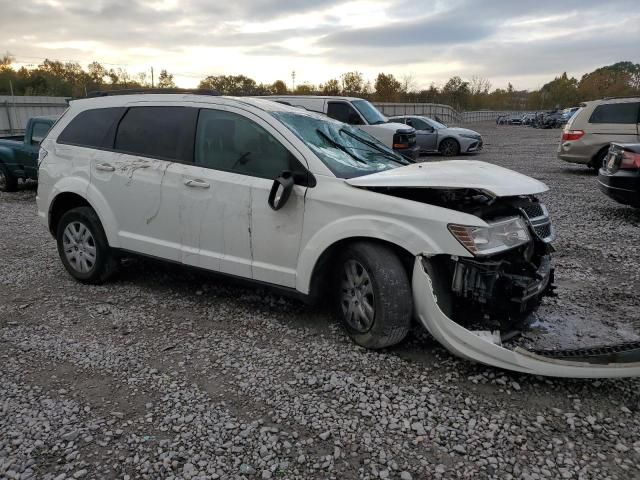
19, 154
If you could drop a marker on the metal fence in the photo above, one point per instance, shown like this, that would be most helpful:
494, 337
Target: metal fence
445, 113
15, 111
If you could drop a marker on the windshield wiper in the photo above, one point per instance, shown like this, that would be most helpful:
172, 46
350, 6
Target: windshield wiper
389, 155
339, 147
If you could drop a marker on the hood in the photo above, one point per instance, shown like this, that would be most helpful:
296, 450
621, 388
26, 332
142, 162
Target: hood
497, 181
392, 126
460, 130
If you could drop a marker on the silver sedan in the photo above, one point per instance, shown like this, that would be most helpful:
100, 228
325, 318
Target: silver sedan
436, 137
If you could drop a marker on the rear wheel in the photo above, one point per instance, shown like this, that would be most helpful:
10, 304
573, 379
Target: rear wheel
596, 162
374, 297
8, 183
449, 147
83, 246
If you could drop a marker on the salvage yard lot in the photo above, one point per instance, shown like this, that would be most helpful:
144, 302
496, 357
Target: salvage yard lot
166, 372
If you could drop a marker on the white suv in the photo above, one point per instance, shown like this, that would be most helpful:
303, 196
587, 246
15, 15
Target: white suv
293, 199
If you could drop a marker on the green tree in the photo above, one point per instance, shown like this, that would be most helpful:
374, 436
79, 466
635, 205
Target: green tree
165, 80
332, 87
387, 88
304, 89
561, 92
352, 83
230, 84
279, 87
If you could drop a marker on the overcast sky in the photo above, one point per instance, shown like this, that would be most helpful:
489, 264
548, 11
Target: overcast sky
523, 42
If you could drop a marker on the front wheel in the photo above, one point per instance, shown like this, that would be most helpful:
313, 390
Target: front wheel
449, 147
8, 183
374, 296
83, 246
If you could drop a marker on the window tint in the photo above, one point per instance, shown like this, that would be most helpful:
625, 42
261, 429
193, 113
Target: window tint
343, 112
230, 142
40, 130
418, 124
159, 132
92, 128
615, 113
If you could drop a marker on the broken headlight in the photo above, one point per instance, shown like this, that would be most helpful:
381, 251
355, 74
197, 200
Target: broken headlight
497, 237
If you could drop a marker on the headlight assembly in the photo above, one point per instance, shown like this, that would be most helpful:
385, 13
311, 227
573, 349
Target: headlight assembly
498, 236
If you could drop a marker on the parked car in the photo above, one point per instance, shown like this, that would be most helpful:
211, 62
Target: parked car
528, 118
436, 137
360, 113
587, 135
19, 154
309, 205
619, 176
515, 119
567, 113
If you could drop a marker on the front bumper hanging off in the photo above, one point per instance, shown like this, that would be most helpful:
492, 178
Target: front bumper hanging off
484, 347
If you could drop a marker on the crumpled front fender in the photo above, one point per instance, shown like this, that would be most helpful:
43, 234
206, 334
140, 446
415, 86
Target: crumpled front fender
480, 348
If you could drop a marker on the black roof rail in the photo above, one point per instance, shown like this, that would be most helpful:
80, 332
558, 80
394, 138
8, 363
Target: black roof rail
138, 91
631, 97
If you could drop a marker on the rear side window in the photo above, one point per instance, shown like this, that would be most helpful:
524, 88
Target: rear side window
158, 132
615, 113
92, 128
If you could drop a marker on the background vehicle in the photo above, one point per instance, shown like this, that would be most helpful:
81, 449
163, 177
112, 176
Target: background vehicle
619, 176
360, 113
587, 135
567, 113
19, 154
433, 137
515, 119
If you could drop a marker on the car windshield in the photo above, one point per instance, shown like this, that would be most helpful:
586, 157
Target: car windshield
347, 151
370, 113
436, 125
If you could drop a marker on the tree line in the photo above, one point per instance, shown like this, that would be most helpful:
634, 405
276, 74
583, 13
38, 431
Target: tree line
69, 79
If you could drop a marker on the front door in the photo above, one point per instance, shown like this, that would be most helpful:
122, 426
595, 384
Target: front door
227, 223
426, 135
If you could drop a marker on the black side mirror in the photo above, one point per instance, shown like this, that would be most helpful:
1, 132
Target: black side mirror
281, 190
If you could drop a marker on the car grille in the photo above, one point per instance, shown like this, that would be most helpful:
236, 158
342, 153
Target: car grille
538, 218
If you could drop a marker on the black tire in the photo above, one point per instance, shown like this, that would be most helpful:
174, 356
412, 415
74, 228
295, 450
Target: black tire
596, 161
449, 147
104, 263
8, 183
391, 295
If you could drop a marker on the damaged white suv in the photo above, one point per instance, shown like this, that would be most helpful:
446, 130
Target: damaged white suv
293, 199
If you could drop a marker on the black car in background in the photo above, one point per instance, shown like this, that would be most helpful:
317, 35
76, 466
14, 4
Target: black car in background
619, 176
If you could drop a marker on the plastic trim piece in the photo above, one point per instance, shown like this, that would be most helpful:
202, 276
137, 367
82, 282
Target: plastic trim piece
470, 346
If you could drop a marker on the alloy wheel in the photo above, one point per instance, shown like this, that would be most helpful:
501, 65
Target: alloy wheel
357, 298
79, 247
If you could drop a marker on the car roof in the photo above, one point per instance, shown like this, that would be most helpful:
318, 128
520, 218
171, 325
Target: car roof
123, 100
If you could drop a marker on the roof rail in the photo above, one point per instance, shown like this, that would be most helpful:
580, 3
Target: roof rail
622, 97
137, 91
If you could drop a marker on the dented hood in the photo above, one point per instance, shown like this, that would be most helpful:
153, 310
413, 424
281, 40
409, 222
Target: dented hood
495, 180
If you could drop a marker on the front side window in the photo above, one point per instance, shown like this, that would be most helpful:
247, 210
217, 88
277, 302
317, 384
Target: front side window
371, 114
343, 112
615, 113
419, 124
158, 132
233, 143
40, 130
92, 128
347, 151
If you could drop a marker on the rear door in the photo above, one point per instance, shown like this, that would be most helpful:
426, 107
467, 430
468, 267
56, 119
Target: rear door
141, 180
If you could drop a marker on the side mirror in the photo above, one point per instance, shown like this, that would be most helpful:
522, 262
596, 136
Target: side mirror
281, 190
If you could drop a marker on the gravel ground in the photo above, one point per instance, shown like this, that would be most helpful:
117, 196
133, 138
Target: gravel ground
166, 373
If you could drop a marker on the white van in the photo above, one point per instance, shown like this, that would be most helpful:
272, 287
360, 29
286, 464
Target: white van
360, 113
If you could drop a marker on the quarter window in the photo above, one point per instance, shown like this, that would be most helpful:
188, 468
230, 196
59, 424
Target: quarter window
158, 132
92, 128
230, 142
615, 113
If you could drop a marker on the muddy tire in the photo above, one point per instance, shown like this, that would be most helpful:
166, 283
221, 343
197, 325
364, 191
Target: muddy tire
8, 183
374, 299
83, 246
449, 147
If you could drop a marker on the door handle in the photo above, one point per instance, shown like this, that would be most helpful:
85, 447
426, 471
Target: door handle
196, 183
105, 167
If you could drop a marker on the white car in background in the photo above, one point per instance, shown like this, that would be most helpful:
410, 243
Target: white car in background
436, 137
311, 206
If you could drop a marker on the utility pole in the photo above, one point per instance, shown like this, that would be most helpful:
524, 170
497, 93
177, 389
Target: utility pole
293, 80
151, 77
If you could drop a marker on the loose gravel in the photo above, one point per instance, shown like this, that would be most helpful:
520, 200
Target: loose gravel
167, 373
